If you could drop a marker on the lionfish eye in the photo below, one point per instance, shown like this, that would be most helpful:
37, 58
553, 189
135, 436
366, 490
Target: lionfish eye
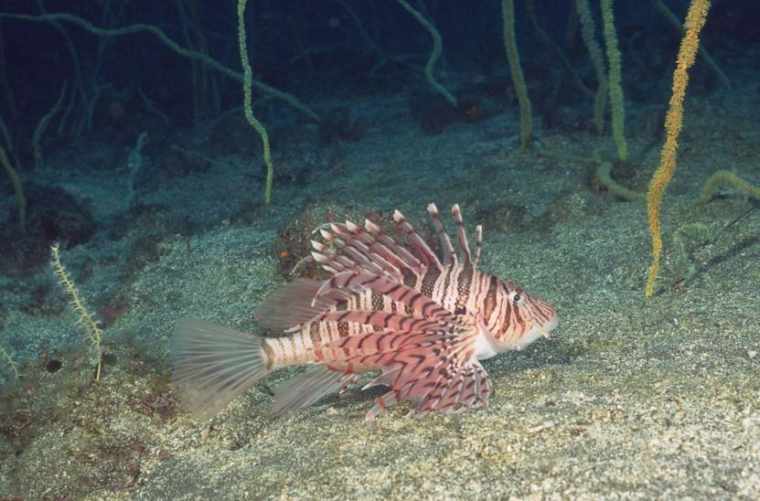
517, 298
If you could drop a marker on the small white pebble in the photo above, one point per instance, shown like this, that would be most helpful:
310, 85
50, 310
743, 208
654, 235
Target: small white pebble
543, 426
751, 354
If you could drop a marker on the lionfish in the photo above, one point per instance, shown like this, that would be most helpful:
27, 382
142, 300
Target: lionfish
391, 305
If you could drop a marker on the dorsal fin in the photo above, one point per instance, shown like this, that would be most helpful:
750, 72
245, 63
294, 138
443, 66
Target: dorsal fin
449, 256
456, 213
293, 304
349, 247
418, 244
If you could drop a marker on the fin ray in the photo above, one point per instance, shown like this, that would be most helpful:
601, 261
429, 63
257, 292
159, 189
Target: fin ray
213, 365
306, 389
292, 304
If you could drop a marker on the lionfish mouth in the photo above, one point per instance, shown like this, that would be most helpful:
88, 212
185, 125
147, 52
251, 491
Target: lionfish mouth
538, 331
535, 333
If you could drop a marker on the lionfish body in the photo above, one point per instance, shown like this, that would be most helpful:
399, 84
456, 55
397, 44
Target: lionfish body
391, 305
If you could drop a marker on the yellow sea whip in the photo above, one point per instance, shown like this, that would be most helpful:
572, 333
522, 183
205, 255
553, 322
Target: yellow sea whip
695, 20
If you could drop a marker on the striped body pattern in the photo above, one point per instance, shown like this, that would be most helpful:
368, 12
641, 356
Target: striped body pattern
391, 305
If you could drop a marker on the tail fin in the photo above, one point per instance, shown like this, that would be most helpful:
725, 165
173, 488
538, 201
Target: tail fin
213, 365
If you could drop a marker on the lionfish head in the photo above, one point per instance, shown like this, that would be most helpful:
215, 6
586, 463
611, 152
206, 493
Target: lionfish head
521, 318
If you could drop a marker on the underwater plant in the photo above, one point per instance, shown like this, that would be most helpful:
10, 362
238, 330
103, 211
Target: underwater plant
18, 188
86, 319
518, 79
248, 99
695, 21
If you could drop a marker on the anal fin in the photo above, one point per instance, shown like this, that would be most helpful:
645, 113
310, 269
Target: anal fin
307, 388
